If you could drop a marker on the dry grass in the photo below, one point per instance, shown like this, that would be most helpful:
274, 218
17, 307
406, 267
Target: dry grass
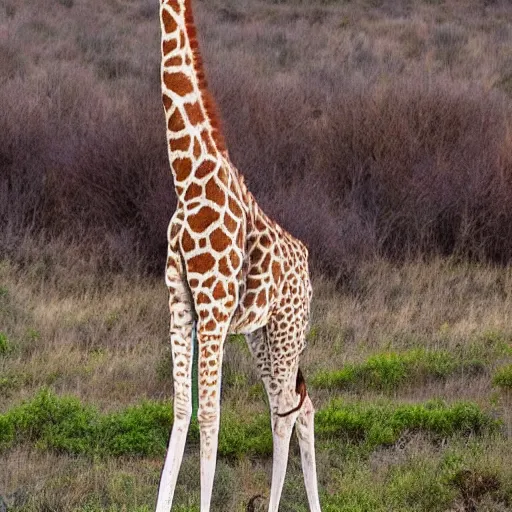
388, 123
102, 337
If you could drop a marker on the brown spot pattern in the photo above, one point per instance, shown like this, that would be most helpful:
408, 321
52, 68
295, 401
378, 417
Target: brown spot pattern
170, 24
182, 167
219, 240
174, 5
219, 292
208, 282
176, 123
262, 299
256, 255
169, 46
179, 83
253, 284
187, 242
197, 148
235, 259
166, 101
210, 325
181, 144
276, 272
230, 223
207, 139
205, 168
202, 298
194, 113
201, 264
174, 61
194, 190
215, 193
235, 209
202, 219
223, 267
265, 241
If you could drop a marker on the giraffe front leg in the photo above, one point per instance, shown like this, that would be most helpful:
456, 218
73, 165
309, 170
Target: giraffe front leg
210, 365
306, 436
181, 346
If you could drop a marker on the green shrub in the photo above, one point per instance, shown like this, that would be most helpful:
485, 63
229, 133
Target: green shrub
251, 436
382, 424
387, 371
51, 422
5, 345
503, 377
63, 424
139, 430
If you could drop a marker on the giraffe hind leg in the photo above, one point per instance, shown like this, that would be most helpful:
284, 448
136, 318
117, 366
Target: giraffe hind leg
281, 384
304, 429
282, 397
181, 325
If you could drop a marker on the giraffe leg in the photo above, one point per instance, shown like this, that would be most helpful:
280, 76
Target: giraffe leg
181, 346
280, 387
210, 366
283, 398
283, 401
306, 436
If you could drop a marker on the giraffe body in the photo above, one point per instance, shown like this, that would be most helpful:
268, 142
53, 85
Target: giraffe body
230, 269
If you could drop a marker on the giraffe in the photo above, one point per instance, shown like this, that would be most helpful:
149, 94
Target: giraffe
230, 269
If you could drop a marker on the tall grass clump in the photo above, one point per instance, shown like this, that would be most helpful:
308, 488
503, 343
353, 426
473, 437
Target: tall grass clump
375, 425
5, 345
390, 370
503, 377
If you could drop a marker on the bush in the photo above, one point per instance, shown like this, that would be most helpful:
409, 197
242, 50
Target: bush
54, 423
375, 425
387, 371
139, 430
63, 424
503, 377
393, 170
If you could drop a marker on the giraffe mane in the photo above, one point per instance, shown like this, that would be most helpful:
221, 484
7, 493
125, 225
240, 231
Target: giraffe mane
206, 96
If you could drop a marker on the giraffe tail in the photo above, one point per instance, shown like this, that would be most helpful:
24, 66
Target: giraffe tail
300, 388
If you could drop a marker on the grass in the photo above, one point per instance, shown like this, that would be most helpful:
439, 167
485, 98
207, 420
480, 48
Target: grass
64, 425
5, 345
101, 339
390, 370
503, 377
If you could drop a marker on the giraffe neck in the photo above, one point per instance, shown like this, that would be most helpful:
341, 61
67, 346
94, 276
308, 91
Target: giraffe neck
195, 143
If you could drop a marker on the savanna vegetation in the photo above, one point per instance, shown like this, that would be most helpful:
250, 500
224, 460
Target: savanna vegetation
378, 131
